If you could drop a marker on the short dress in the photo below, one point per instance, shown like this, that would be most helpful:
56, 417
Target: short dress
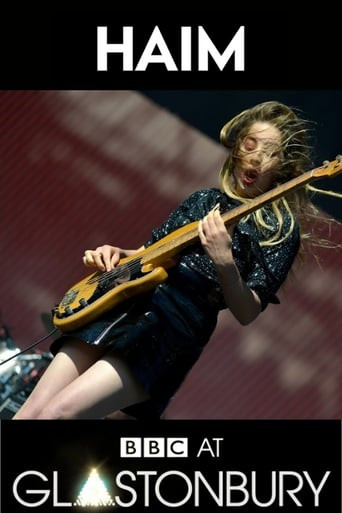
161, 334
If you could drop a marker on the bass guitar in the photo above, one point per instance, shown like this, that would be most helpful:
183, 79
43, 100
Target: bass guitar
99, 292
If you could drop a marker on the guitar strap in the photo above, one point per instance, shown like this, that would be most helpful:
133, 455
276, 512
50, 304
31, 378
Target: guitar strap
114, 323
105, 331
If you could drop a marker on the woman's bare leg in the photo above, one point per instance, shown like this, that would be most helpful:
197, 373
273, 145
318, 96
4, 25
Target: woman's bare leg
74, 358
106, 386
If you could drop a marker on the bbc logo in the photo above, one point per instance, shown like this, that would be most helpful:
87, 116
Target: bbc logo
154, 447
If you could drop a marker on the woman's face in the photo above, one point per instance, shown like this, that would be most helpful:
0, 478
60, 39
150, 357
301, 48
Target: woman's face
259, 157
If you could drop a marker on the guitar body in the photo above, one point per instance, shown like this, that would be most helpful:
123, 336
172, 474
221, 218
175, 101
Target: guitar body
97, 294
100, 292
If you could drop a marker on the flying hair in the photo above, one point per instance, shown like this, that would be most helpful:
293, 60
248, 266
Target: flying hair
296, 160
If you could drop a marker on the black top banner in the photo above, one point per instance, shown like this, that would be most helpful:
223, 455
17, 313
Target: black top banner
199, 50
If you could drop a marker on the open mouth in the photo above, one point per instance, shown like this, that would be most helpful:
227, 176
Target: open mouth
250, 176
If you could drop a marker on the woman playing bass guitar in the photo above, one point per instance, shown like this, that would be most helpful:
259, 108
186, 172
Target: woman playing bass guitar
134, 357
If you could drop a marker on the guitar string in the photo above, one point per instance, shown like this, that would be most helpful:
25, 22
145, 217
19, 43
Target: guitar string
130, 266
133, 265
120, 271
114, 273
117, 272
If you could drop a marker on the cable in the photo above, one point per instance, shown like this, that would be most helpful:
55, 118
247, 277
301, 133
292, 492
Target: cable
30, 347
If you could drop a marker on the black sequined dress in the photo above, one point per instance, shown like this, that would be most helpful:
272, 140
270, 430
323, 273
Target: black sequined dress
163, 332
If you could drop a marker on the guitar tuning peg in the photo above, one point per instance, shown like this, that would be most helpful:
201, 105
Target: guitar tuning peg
326, 162
338, 157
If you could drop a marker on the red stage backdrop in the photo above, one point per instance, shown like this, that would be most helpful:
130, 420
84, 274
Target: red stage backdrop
84, 168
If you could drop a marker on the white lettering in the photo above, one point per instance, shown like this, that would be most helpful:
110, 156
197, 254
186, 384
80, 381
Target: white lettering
173, 473
292, 491
236, 47
55, 492
317, 490
206, 446
217, 498
146, 474
186, 49
156, 43
104, 48
129, 489
45, 493
241, 488
273, 493
156, 40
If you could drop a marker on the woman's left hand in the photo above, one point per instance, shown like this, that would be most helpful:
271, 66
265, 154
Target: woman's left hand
215, 238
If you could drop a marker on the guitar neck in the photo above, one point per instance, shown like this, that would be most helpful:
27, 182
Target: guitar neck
176, 241
267, 197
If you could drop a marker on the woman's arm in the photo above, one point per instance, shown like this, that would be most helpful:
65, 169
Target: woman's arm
106, 257
216, 240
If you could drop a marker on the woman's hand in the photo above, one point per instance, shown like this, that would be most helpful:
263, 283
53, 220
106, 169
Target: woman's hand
104, 257
216, 239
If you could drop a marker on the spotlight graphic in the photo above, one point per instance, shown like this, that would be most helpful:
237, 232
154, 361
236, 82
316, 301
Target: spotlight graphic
94, 492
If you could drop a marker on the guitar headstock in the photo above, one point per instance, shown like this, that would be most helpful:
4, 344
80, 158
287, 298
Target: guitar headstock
329, 169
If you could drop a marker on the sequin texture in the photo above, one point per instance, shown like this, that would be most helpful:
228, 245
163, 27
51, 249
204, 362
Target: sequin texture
264, 269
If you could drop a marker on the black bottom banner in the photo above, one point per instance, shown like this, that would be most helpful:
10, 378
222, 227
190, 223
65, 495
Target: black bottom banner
171, 465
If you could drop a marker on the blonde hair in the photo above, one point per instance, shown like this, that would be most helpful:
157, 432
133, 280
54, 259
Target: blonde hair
296, 160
